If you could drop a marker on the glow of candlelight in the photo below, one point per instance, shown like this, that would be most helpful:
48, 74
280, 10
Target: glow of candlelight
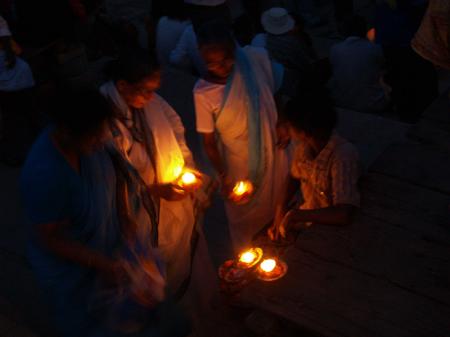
242, 187
247, 257
188, 178
268, 265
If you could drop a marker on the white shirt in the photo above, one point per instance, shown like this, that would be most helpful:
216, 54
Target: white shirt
168, 33
205, 2
186, 52
208, 98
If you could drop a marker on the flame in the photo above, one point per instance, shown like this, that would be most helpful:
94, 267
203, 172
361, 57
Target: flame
242, 187
371, 35
268, 265
188, 178
247, 257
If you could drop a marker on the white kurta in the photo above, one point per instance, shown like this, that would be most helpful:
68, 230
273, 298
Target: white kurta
232, 127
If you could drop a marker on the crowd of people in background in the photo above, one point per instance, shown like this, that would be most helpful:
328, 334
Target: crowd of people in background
116, 243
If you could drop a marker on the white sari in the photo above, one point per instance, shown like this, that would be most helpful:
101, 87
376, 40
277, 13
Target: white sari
232, 126
177, 223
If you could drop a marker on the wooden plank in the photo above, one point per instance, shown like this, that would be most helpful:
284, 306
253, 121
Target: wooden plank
438, 112
431, 133
371, 134
333, 300
420, 164
388, 274
401, 235
386, 252
411, 207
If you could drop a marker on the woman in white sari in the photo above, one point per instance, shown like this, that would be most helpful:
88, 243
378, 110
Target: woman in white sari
237, 118
150, 136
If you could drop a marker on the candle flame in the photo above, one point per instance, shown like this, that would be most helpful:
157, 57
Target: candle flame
248, 257
268, 265
242, 187
188, 178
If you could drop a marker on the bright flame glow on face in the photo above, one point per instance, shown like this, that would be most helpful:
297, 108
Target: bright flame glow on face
242, 187
248, 257
188, 178
268, 265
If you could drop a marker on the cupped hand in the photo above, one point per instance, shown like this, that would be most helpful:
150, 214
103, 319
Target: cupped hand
170, 192
281, 227
274, 231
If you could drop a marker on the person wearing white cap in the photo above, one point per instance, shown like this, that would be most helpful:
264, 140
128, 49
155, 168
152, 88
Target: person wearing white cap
284, 41
15, 73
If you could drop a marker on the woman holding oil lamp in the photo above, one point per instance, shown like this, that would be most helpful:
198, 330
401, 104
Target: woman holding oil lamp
149, 135
237, 118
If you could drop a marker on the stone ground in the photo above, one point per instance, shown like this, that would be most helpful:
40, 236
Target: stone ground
23, 312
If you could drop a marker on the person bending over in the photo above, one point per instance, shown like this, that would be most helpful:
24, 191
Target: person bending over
325, 167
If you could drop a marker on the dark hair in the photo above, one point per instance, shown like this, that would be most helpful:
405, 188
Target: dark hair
354, 26
299, 22
217, 33
175, 10
133, 66
6, 43
312, 112
80, 110
244, 29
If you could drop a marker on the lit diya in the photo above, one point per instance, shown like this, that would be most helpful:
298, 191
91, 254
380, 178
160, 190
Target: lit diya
189, 179
271, 269
241, 191
250, 258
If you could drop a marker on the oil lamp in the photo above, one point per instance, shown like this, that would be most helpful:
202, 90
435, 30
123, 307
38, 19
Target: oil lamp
268, 265
188, 179
250, 257
241, 190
